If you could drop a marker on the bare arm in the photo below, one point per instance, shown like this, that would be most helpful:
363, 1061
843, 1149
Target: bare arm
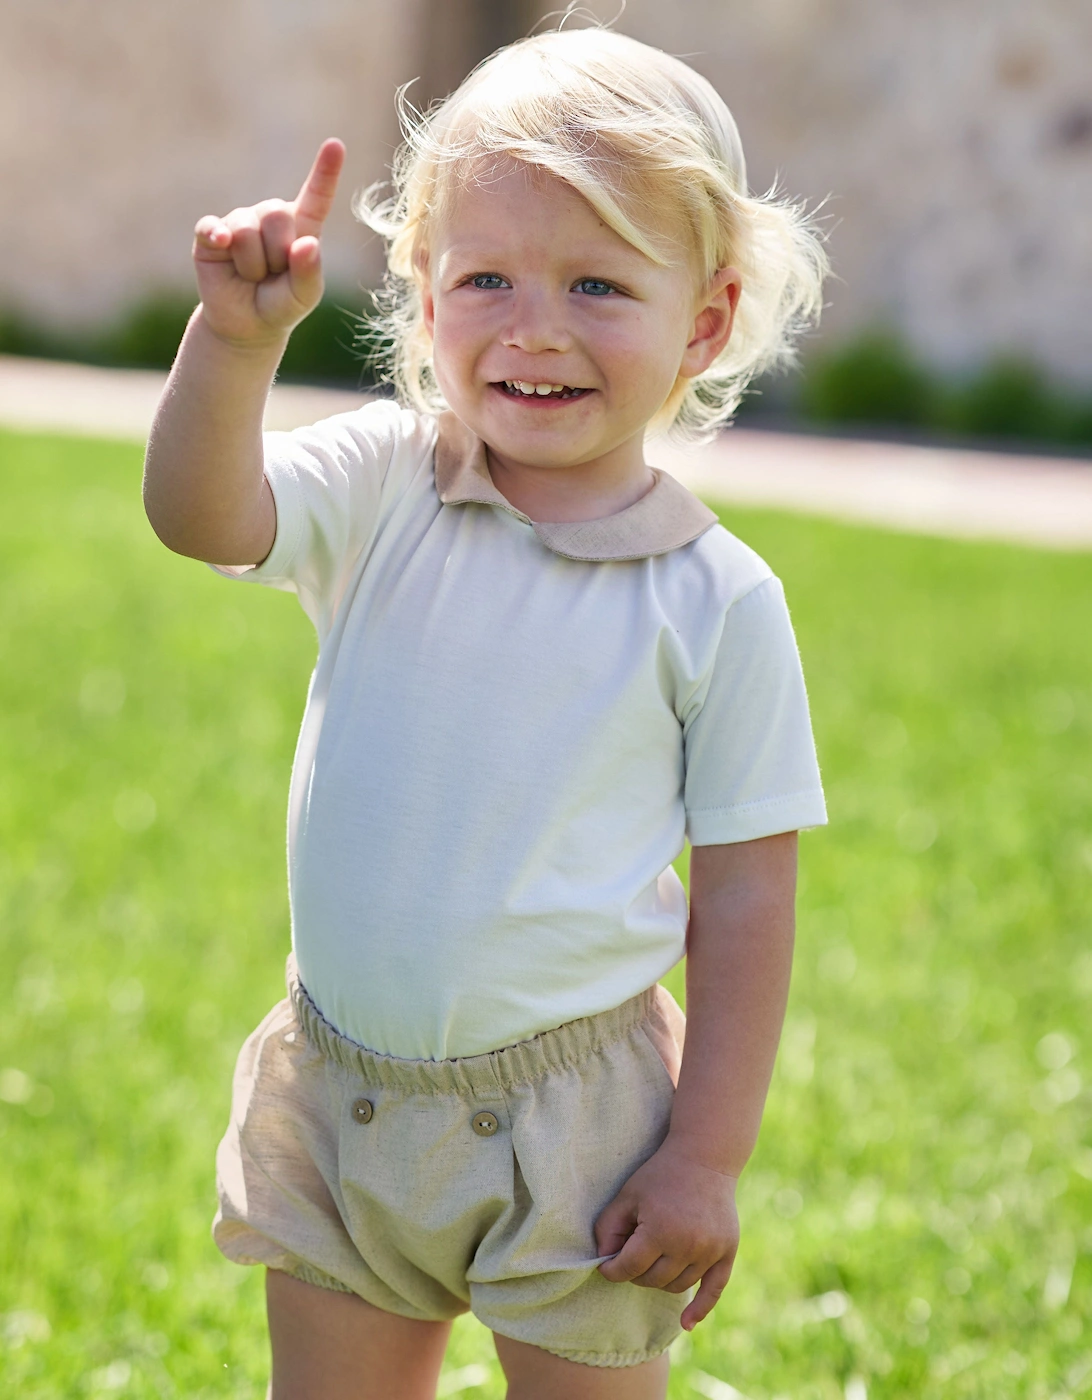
738, 959
674, 1221
259, 274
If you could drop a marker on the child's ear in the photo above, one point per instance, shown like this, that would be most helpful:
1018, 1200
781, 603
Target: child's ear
713, 322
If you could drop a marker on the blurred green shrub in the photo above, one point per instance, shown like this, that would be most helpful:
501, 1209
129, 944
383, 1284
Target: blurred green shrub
328, 346
1010, 398
148, 335
872, 379
20, 336
325, 347
875, 380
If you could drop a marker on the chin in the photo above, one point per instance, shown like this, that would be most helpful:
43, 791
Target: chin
541, 447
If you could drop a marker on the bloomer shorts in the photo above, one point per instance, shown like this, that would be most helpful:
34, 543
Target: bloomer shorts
428, 1187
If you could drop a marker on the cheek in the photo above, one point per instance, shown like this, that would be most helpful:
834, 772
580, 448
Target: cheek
449, 355
619, 338
459, 342
456, 330
643, 350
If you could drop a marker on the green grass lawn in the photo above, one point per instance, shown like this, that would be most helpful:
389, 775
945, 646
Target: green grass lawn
918, 1217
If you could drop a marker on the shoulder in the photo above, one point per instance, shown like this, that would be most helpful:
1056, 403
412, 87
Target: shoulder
380, 432
734, 563
715, 570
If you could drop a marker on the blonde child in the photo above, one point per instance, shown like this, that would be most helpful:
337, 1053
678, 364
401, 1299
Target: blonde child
541, 666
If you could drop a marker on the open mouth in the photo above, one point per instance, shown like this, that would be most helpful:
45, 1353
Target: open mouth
524, 389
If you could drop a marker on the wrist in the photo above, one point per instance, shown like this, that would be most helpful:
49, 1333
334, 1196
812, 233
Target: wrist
697, 1149
263, 349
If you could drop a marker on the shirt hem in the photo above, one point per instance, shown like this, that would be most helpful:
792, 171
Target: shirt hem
723, 826
286, 500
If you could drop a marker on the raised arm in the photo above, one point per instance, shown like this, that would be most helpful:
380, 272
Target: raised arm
259, 273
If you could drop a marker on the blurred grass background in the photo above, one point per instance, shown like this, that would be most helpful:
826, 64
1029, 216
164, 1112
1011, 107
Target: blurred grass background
918, 1217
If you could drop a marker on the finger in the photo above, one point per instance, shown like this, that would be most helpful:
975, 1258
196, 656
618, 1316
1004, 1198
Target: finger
305, 271
278, 229
687, 1279
316, 196
712, 1286
638, 1255
615, 1224
212, 239
663, 1271
246, 245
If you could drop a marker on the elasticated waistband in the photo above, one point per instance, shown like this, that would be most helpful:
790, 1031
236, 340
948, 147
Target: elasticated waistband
473, 1076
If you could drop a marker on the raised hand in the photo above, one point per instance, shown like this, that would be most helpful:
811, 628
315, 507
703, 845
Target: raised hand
259, 269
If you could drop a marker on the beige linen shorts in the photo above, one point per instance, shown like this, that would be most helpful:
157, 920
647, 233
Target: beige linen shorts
428, 1187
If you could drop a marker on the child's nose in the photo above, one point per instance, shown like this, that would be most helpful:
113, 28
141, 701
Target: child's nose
537, 323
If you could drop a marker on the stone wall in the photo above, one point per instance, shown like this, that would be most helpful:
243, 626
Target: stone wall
951, 141
122, 121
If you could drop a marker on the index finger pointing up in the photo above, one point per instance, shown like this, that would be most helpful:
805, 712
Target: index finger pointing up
316, 196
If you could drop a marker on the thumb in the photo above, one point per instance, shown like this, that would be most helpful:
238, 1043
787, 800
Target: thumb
615, 1224
305, 271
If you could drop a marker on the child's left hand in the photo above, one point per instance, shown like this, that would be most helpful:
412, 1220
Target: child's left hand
673, 1222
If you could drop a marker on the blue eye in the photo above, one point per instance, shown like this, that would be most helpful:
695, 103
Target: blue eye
488, 281
593, 287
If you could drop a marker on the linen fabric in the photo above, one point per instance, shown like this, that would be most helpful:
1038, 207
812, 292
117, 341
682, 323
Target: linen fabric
510, 730
364, 1173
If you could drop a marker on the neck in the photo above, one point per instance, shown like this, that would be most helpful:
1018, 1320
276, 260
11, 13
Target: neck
583, 491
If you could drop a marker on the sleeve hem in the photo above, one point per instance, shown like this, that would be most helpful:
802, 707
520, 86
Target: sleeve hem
723, 826
275, 565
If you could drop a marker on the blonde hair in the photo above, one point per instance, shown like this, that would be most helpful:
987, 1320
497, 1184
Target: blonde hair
646, 141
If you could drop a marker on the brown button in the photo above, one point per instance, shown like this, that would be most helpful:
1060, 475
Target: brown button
484, 1124
362, 1110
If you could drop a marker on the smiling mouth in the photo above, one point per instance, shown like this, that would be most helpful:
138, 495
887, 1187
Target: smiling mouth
524, 389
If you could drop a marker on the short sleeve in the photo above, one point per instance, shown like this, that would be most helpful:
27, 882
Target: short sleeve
751, 768
328, 484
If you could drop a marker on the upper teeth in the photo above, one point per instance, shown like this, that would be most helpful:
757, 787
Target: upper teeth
527, 388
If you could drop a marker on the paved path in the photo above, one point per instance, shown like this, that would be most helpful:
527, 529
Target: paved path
941, 491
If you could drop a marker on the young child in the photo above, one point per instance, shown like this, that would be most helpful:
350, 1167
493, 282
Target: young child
541, 666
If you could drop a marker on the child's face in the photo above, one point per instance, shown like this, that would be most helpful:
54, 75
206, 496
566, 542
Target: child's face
526, 284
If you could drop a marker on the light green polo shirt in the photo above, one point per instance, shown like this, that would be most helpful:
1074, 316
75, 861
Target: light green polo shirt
511, 729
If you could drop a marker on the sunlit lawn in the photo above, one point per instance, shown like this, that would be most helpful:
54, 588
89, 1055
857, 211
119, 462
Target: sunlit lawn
918, 1217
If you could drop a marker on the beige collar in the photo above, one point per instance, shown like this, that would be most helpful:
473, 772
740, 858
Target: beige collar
663, 519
